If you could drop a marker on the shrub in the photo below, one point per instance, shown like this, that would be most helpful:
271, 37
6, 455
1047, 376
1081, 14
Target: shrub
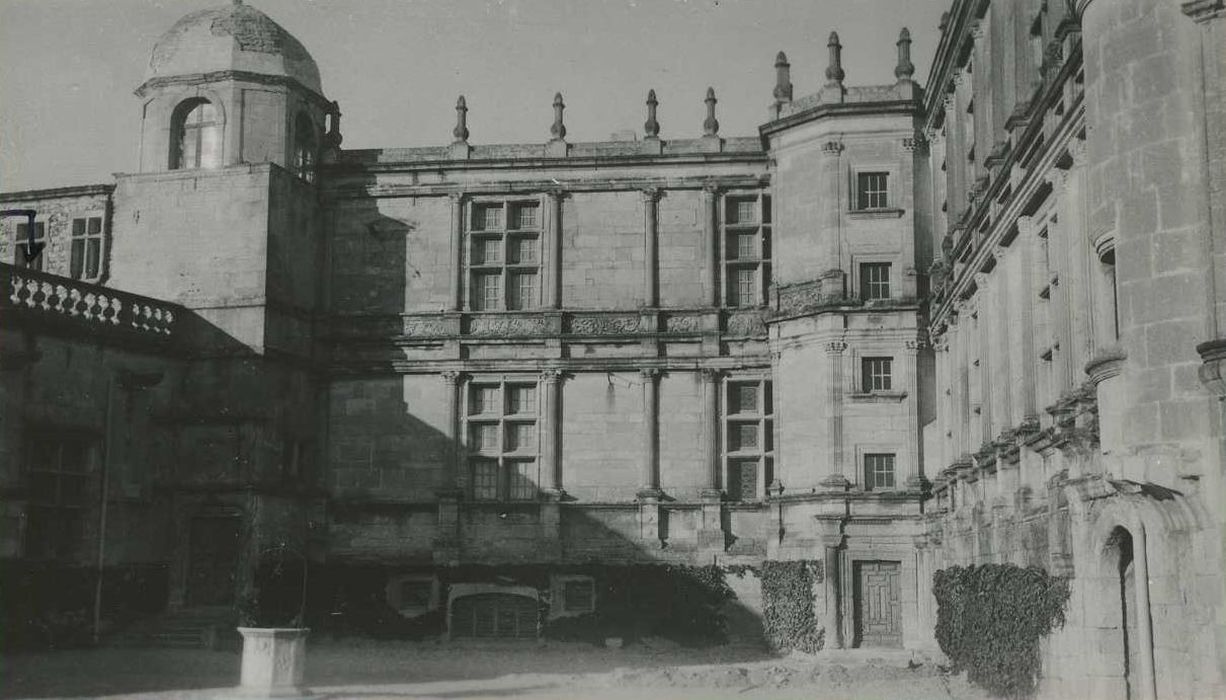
788, 620
990, 619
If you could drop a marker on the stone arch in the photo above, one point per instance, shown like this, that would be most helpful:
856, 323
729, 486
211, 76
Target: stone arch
492, 610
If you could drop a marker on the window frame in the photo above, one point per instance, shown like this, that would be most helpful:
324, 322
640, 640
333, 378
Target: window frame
21, 237
734, 454
78, 260
865, 197
865, 284
510, 267
739, 270
180, 127
66, 518
306, 147
869, 374
869, 471
506, 455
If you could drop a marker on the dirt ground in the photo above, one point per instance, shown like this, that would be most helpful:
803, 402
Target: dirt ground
469, 671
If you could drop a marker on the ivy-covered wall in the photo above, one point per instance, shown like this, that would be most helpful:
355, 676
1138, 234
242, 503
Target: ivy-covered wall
991, 618
690, 605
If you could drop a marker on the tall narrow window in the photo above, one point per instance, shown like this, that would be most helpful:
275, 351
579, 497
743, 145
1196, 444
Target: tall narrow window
196, 136
23, 239
86, 259
748, 438
746, 231
872, 190
502, 439
504, 240
305, 147
877, 374
59, 470
878, 471
874, 281
1111, 291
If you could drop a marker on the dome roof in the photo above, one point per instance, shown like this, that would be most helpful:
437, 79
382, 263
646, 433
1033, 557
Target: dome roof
233, 37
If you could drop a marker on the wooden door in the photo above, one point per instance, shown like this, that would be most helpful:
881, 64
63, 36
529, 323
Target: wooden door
212, 561
878, 604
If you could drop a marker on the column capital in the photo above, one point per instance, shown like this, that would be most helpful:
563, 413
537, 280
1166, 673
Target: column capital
712, 188
832, 149
551, 375
649, 374
452, 376
557, 193
652, 193
836, 347
917, 141
1057, 178
978, 30
456, 197
710, 374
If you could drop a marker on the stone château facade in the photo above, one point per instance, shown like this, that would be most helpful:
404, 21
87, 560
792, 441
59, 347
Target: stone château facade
898, 329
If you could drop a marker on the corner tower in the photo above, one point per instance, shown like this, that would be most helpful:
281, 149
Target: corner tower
226, 86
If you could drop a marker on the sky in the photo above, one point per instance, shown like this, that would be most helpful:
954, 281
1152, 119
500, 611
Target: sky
68, 68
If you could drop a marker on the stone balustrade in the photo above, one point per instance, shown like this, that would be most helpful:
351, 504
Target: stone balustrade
54, 298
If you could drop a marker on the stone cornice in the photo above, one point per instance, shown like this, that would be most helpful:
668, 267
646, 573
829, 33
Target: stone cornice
1200, 10
57, 193
223, 75
339, 189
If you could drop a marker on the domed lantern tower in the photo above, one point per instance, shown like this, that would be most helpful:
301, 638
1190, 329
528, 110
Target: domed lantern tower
226, 86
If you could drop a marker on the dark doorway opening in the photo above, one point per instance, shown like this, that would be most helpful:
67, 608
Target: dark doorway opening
212, 561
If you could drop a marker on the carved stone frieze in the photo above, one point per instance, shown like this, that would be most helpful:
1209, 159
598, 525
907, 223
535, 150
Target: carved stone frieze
746, 323
682, 323
508, 326
605, 324
418, 327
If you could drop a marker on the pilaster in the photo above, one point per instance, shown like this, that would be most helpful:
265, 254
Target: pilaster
836, 477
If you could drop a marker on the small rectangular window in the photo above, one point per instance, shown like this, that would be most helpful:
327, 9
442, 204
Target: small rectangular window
522, 475
522, 250
872, 190
521, 288
877, 374
523, 216
487, 251
578, 596
521, 399
23, 238
86, 249
874, 281
743, 398
485, 479
878, 471
487, 217
482, 399
521, 437
484, 437
744, 291
743, 436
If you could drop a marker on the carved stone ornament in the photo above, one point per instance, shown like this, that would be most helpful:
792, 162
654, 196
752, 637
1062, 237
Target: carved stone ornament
605, 324
508, 326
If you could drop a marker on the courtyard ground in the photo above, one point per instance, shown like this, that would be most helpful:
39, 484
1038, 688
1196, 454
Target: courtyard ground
470, 671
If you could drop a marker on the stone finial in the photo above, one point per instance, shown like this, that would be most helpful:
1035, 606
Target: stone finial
905, 69
558, 130
834, 72
651, 127
461, 121
710, 125
783, 79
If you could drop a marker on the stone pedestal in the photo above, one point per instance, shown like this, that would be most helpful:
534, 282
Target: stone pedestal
274, 659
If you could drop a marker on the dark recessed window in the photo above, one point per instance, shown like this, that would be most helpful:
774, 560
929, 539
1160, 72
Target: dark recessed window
877, 373
878, 471
872, 190
874, 281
